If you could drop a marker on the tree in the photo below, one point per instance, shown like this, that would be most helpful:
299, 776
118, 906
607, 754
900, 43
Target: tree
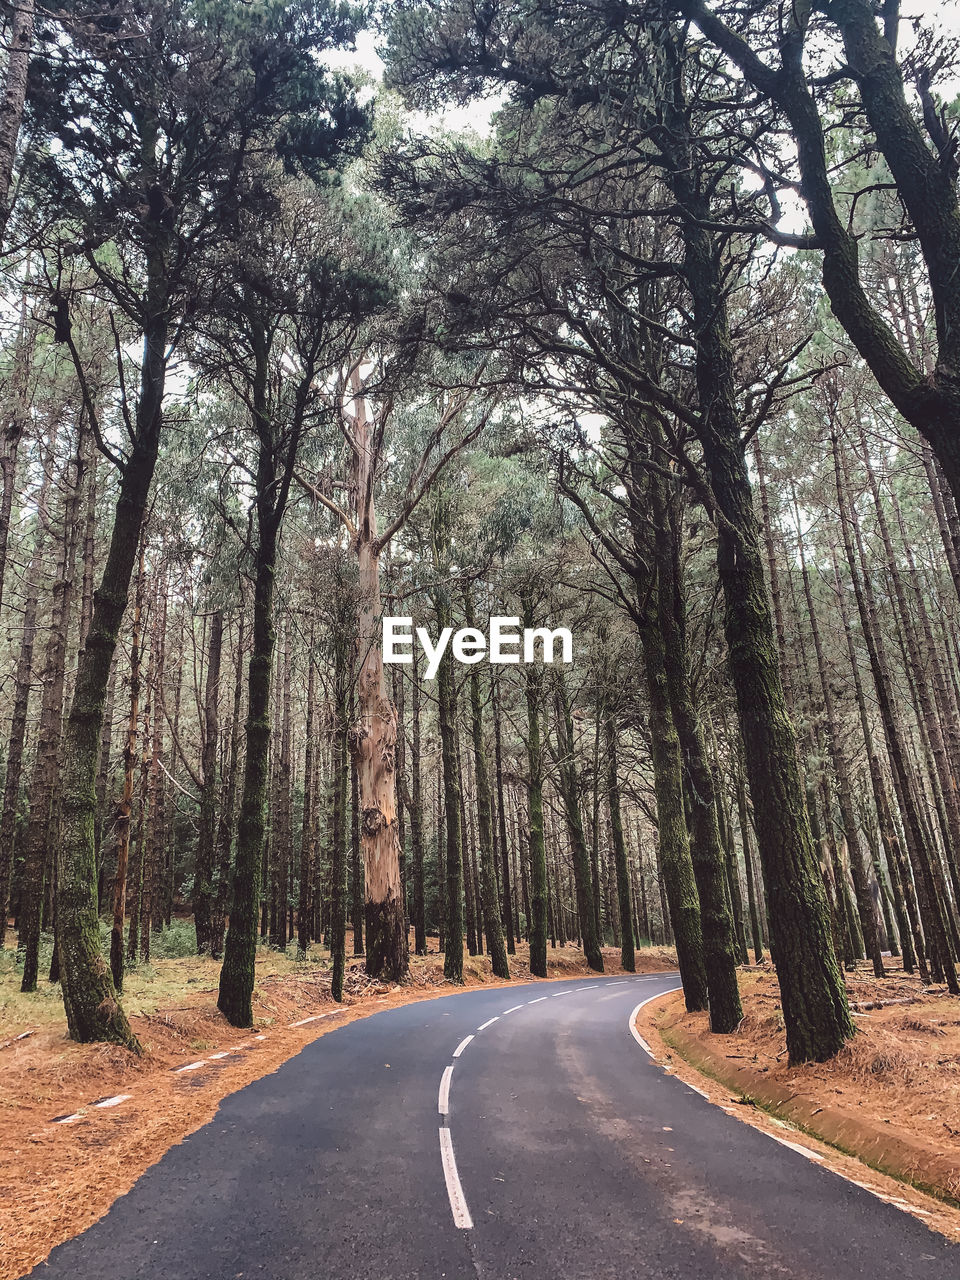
148, 151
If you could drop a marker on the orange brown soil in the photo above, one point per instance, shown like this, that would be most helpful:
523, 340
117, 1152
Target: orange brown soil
891, 1097
57, 1179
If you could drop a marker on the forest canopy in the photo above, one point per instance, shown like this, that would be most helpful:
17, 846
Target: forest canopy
661, 348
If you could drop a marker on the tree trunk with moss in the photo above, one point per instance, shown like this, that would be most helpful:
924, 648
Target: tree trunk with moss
813, 995
673, 837
706, 851
89, 995
237, 975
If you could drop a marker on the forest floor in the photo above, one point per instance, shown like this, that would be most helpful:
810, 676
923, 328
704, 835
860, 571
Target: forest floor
891, 1097
68, 1149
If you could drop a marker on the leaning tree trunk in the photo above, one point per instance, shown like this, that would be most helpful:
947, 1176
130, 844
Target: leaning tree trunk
814, 1000
89, 996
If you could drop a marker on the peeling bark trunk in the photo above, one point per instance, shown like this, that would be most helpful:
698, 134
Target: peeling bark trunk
373, 737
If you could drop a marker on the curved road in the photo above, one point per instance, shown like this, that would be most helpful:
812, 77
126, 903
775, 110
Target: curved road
551, 1138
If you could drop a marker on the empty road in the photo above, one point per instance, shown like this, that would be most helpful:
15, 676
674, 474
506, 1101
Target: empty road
517, 1133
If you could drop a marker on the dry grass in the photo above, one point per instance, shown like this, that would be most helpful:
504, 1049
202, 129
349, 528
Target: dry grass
902, 1069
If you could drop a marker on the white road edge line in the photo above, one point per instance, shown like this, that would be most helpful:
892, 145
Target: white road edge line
462, 1045
702, 1092
443, 1101
795, 1146
633, 1017
489, 1023
458, 1203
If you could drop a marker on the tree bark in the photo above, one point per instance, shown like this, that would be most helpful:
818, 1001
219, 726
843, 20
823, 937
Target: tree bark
207, 833
624, 904
40, 837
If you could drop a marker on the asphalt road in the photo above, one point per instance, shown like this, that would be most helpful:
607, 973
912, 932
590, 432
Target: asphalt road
560, 1148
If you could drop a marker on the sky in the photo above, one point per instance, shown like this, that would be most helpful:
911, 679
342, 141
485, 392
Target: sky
944, 15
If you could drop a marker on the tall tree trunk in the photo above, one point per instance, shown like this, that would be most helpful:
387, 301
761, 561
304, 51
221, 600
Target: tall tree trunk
89, 996
41, 837
904, 901
865, 907
416, 821
22, 685
339, 833
706, 851
207, 833
227, 809
580, 854
492, 926
627, 953
814, 1001
509, 915
307, 856
929, 904
676, 866
20, 44
125, 808
283, 826
452, 800
373, 739
235, 999
535, 898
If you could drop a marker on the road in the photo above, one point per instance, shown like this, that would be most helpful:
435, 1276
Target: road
551, 1147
